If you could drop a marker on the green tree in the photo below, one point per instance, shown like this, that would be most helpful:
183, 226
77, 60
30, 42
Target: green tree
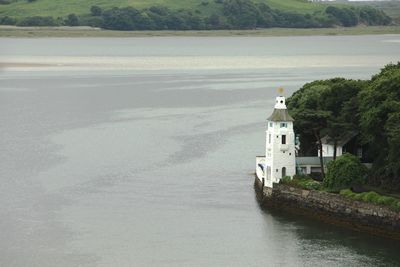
310, 119
72, 20
242, 14
379, 109
96, 11
120, 18
6, 20
345, 171
37, 21
323, 108
339, 101
345, 16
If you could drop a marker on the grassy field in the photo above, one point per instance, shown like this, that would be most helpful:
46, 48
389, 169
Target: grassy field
10, 31
391, 8
61, 8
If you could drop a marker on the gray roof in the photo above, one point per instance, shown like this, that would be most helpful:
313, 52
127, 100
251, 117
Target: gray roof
280, 115
311, 160
342, 140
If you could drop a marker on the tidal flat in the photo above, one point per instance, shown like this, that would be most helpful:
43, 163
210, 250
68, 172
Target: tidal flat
12, 31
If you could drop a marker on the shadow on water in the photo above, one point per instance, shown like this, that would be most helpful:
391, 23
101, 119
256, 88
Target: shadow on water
324, 235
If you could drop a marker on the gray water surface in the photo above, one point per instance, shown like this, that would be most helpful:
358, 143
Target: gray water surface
153, 166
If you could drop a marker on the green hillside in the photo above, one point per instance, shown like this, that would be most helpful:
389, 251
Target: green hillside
61, 8
187, 14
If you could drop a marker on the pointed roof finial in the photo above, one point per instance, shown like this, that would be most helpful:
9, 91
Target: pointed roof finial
281, 90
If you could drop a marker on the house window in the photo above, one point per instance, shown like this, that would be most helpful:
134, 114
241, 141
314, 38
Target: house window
283, 125
359, 152
283, 139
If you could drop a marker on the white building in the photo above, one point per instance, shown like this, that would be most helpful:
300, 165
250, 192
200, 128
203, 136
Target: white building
328, 146
280, 159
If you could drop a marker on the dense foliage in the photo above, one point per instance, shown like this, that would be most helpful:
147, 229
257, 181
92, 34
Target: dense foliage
230, 14
379, 111
317, 112
344, 172
301, 181
37, 21
373, 197
372, 108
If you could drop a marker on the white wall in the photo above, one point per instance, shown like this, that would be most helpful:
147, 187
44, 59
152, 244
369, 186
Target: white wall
327, 150
279, 155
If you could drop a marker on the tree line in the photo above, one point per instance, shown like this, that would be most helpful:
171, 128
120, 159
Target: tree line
370, 107
231, 14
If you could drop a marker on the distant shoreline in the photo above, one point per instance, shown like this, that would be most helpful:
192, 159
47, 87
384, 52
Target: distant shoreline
39, 32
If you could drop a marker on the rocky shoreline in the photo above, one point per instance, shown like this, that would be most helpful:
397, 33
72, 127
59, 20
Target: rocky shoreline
331, 208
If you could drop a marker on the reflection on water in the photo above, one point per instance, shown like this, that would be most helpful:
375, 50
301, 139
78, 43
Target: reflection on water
138, 168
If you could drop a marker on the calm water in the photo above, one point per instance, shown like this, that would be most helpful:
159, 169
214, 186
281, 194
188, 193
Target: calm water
140, 152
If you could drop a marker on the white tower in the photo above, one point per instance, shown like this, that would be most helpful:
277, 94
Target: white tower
280, 158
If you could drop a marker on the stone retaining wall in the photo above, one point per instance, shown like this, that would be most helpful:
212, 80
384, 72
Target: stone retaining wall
333, 208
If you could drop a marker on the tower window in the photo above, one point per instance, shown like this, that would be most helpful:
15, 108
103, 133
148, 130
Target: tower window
283, 172
283, 125
283, 139
269, 139
271, 124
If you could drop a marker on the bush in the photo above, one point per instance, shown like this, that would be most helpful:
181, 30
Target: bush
286, 180
301, 177
373, 197
384, 200
91, 21
37, 21
373, 16
396, 205
311, 185
344, 172
347, 193
345, 16
5, 2
301, 181
7, 21
72, 20
96, 11
370, 197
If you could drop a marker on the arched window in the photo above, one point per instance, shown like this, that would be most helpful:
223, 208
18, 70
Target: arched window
283, 172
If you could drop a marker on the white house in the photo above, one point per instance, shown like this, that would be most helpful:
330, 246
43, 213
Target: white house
280, 159
341, 145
